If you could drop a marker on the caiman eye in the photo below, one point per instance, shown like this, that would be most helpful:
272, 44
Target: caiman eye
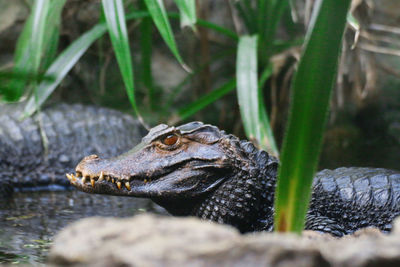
170, 140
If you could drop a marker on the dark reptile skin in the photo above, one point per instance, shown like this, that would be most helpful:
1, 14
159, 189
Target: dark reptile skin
73, 131
354, 198
343, 201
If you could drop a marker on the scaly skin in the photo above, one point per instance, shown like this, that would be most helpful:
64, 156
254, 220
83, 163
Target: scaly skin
196, 169
72, 131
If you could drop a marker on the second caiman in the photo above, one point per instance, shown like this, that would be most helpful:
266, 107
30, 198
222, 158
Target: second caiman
196, 169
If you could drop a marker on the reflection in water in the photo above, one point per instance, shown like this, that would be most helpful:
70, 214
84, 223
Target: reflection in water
29, 221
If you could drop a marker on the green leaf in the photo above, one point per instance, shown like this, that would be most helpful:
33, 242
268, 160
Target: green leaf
62, 65
246, 13
353, 22
252, 108
160, 18
139, 15
267, 136
115, 19
217, 28
203, 23
8, 77
178, 88
187, 11
269, 16
263, 18
52, 35
35, 46
247, 88
205, 100
311, 90
29, 48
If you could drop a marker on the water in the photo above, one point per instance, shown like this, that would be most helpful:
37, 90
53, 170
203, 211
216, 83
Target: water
29, 221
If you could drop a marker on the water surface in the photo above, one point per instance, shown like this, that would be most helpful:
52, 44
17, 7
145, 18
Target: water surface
29, 221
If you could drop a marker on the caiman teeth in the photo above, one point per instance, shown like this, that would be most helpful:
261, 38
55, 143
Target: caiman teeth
71, 177
101, 177
120, 183
128, 186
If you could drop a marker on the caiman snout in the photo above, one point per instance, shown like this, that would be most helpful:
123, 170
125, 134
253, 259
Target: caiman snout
84, 168
92, 168
90, 157
82, 171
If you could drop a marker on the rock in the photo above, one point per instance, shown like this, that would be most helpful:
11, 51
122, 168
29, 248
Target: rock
113, 242
149, 240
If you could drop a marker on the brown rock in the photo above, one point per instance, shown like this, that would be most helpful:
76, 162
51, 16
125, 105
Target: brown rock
166, 241
148, 240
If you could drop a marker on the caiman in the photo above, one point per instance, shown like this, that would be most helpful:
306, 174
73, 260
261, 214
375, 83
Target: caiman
197, 170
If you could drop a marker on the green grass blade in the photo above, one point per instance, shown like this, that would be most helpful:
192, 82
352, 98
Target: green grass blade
40, 12
265, 74
187, 11
179, 87
23, 40
52, 35
246, 16
205, 100
203, 23
160, 18
218, 29
65, 61
29, 48
311, 89
247, 88
267, 137
139, 14
267, 141
62, 65
11, 75
115, 19
252, 109
8, 77
262, 19
273, 13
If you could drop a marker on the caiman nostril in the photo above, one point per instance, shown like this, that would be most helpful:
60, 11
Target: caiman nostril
90, 157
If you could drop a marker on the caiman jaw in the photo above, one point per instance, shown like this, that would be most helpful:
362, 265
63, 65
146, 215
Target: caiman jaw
83, 182
95, 183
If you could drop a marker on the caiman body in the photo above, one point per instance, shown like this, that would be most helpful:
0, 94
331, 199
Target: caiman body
36, 152
196, 169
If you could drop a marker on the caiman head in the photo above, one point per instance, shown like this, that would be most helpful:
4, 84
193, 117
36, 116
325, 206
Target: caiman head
177, 167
